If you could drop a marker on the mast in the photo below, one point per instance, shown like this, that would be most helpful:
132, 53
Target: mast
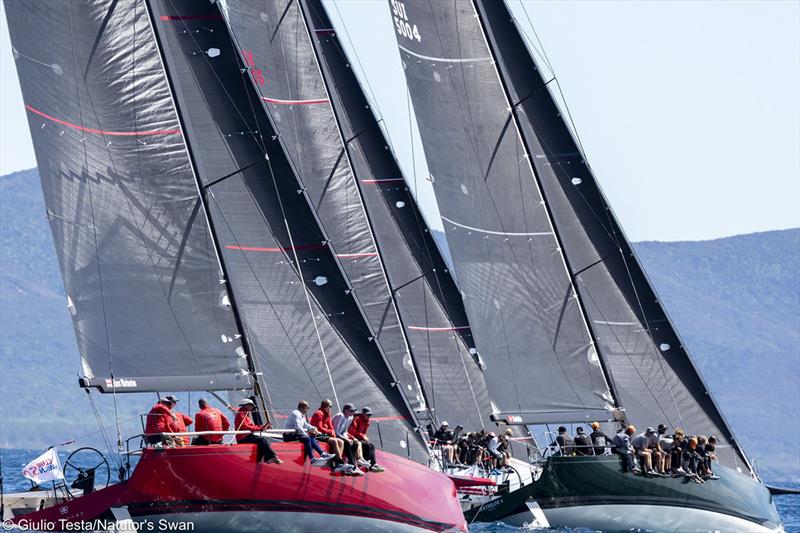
528, 156
201, 195
345, 145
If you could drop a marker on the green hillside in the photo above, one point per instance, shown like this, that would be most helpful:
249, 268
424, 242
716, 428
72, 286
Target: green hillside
735, 300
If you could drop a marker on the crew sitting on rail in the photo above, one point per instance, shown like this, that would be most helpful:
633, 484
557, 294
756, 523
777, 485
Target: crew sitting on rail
622, 446
691, 461
665, 443
159, 420
306, 433
352, 447
209, 418
646, 446
358, 430
495, 457
563, 444
179, 425
676, 451
321, 419
243, 422
583, 443
711, 455
443, 438
599, 439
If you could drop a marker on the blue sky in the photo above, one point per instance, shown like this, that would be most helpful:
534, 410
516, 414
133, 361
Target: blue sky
689, 111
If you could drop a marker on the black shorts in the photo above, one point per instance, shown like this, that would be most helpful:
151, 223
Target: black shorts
322, 438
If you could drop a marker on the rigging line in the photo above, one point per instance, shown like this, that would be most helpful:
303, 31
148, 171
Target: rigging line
364, 76
474, 155
624, 351
302, 280
353, 183
160, 54
521, 139
255, 135
553, 73
266, 296
91, 211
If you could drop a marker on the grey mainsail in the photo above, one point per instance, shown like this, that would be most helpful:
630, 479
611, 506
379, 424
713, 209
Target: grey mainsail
324, 117
525, 316
653, 375
472, 53
139, 268
283, 266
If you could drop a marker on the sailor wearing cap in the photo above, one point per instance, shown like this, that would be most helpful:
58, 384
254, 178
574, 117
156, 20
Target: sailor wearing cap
243, 422
358, 430
159, 421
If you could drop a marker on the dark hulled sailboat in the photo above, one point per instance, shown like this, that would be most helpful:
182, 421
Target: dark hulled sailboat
161, 170
567, 323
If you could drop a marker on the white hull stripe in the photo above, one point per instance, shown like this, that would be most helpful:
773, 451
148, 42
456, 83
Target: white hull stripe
444, 59
491, 232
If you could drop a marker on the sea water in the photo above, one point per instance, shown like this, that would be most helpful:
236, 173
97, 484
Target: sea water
14, 460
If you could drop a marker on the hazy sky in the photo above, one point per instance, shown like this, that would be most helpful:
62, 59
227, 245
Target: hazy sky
689, 111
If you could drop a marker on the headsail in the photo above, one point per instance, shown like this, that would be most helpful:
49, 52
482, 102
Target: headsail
306, 324
525, 316
389, 254
142, 280
653, 375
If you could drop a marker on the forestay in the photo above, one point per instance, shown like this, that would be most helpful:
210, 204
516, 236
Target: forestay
139, 268
523, 309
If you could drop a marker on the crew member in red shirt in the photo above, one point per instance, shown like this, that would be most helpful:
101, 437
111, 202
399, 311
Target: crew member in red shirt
321, 419
209, 419
243, 422
179, 425
159, 420
358, 430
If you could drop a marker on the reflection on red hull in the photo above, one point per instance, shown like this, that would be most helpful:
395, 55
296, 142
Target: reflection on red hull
226, 481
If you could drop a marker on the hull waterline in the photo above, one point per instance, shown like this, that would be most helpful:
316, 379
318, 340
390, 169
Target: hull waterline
222, 488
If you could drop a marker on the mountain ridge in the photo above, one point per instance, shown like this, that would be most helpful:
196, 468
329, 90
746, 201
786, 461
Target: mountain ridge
735, 300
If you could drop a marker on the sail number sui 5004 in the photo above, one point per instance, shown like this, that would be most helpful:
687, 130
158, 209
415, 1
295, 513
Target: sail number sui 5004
404, 27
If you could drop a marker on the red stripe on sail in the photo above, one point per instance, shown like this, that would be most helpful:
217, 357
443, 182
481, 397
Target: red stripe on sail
102, 132
295, 102
451, 328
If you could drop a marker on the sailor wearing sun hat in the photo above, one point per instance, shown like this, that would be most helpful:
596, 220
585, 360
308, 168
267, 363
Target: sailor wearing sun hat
159, 420
243, 422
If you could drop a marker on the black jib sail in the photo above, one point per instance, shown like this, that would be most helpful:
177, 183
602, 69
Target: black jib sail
283, 266
527, 322
340, 151
136, 255
489, 68
653, 375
